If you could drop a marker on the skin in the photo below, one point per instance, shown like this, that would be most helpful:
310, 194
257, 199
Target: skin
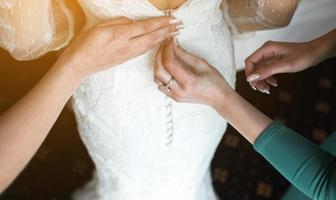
24, 126
164, 4
282, 57
196, 81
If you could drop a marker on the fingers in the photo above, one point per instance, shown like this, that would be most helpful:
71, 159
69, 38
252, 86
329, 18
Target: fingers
262, 86
176, 67
173, 90
266, 52
260, 75
116, 21
150, 25
160, 73
187, 57
171, 87
264, 71
148, 41
272, 81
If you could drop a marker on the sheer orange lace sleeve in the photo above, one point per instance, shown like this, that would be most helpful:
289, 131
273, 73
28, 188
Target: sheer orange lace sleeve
252, 15
31, 28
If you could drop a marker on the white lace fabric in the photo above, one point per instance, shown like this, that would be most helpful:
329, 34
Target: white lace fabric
145, 145
30, 29
252, 15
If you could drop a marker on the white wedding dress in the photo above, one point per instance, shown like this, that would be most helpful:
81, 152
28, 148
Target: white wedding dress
144, 145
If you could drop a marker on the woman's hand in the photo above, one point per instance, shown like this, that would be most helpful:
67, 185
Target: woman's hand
107, 44
116, 41
282, 57
188, 78
196, 81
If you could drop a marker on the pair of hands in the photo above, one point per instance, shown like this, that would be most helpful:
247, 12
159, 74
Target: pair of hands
179, 74
188, 78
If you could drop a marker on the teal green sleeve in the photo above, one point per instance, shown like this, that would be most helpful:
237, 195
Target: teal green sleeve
304, 164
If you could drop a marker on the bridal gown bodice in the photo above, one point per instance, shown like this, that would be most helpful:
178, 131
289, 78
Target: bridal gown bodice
145, 145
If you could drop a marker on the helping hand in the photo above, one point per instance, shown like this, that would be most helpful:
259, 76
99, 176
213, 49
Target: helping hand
282, 57
188, 78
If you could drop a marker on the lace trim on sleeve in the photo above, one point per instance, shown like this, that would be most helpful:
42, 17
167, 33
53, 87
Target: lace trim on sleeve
30, 29
252, 15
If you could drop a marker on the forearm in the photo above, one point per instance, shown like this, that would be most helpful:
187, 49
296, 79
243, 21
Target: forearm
304, 164
25, 125
244, 117
325, 46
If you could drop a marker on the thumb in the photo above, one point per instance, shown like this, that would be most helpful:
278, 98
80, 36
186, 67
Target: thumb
268, 70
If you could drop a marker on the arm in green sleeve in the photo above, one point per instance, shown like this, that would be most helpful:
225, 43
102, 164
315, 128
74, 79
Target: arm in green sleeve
304, 164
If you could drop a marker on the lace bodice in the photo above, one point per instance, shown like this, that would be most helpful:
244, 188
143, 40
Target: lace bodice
145, 145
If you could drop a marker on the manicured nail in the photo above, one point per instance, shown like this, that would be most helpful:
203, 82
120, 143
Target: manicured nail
254, 88
253, 77
179, 27
265, 91
175, 21
175, 33
272, 83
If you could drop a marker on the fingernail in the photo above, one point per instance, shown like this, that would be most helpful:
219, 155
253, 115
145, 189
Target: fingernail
253, 77
176, 43
175, 33
265, 91
273, 83
254, 88
175, 21
179, 27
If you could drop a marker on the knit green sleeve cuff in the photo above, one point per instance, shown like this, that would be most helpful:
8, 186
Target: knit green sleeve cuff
266, 136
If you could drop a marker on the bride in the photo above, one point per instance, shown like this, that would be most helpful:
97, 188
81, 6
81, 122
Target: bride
144, 144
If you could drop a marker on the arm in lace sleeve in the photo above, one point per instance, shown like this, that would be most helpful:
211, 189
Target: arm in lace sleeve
252, 15
29, 29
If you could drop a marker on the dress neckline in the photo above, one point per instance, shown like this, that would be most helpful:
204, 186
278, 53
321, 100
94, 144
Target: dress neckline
171, 9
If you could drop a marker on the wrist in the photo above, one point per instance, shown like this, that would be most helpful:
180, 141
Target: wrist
70, 71
74, 65
324, 47
223, 103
